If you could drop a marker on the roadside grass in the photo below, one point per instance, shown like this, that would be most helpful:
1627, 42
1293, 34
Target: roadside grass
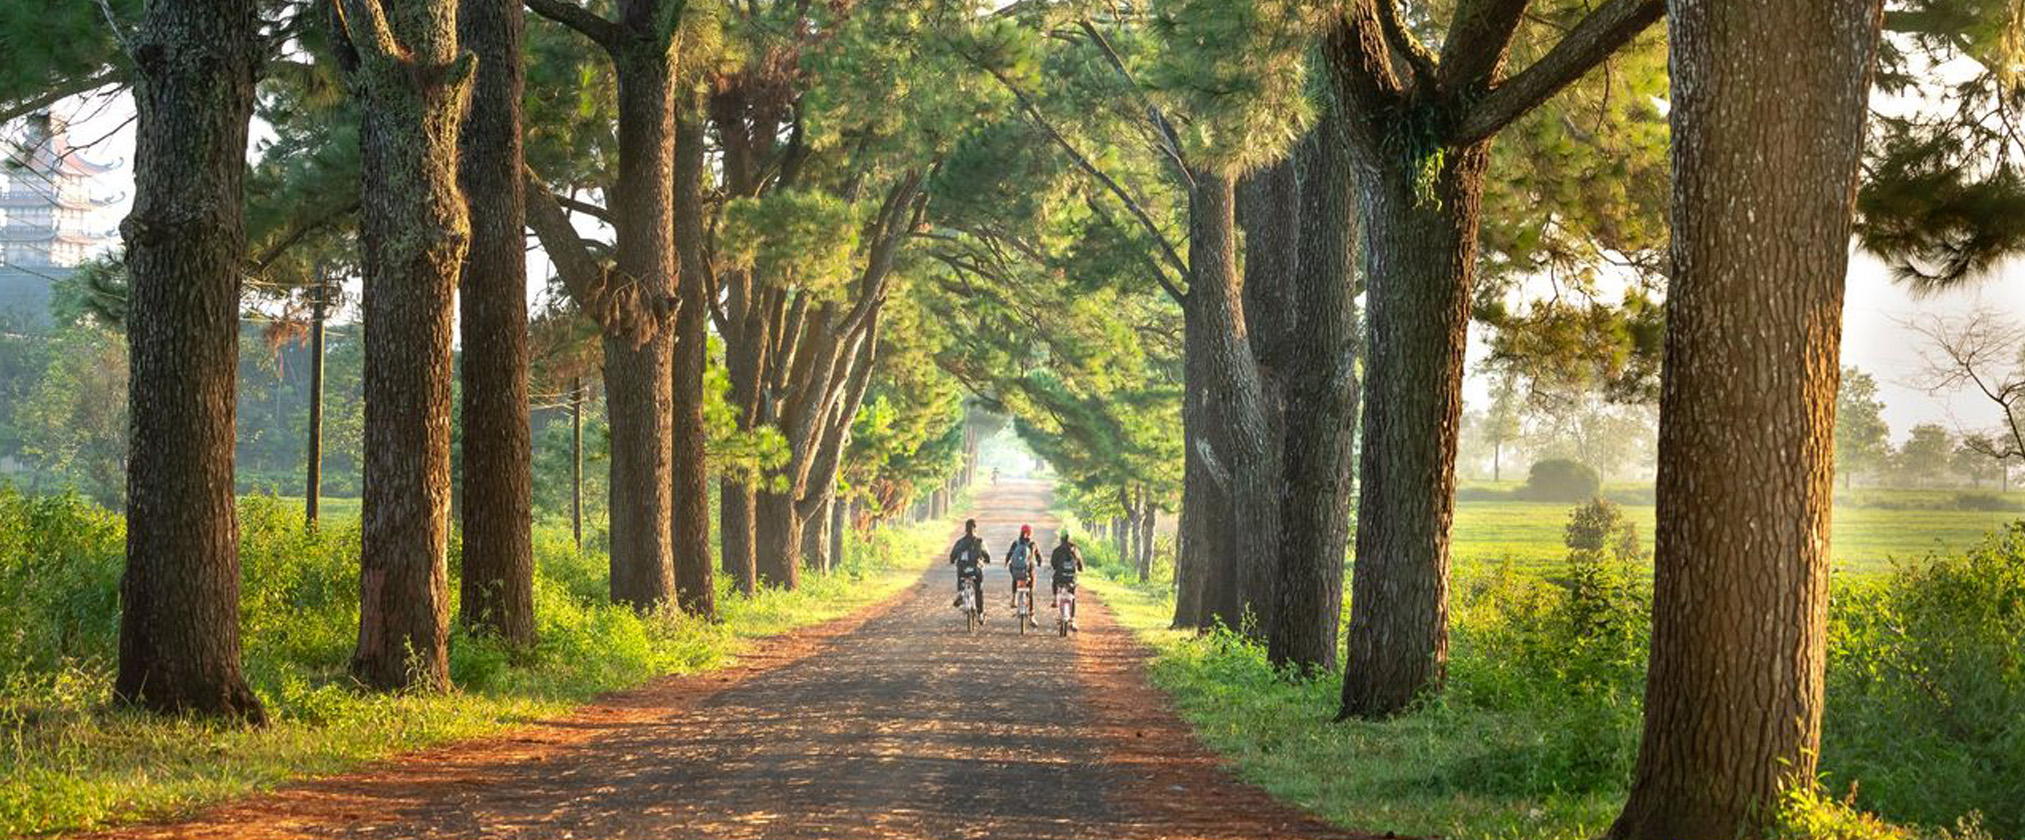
72, 761
1537, 732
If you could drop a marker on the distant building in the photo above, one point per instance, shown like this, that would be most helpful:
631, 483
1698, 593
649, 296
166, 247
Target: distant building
49, 216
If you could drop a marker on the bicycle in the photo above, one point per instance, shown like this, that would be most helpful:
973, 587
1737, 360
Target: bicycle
973, 613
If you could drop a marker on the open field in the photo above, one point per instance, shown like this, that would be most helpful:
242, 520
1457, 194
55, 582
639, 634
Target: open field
1866, 539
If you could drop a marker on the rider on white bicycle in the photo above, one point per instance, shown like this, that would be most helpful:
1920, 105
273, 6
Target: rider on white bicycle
968, 554
1066, 562
1021, 559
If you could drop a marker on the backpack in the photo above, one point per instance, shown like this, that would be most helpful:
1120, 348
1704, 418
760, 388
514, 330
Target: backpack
1016, 558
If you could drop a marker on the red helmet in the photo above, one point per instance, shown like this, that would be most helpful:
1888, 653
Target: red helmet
1026, 530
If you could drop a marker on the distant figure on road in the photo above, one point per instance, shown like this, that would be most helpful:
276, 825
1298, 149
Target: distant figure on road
968, 554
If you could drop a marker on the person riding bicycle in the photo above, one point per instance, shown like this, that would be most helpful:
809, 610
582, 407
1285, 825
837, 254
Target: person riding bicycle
968, 554
1066, 562
1021, 560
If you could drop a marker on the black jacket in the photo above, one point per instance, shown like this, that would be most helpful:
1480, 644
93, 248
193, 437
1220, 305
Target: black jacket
968, 553
1066, 560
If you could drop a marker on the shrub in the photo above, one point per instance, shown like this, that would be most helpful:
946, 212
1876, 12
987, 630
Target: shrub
1561, 480
1985, 501
1926, 687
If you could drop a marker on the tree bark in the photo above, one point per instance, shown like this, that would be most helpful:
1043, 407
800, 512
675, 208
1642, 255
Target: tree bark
1146, 543
816, 539
497, 585
695, 585
1418, 268
735, 515
1768, 116
195, 63
577, 462
639, 399
312, 482
1241, 458
1321, 417
403, 66
1191, 560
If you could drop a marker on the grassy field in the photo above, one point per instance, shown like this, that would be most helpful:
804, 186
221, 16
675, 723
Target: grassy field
1865, 540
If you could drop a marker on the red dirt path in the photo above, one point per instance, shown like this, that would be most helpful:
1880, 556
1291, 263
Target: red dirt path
892, 723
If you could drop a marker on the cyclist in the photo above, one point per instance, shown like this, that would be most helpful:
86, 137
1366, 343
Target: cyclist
967, 555
1066, 562
1021, 559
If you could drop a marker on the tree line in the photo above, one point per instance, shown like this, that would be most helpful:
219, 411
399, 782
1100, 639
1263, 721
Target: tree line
1214, 257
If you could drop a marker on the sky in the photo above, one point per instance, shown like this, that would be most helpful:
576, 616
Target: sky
1875, 335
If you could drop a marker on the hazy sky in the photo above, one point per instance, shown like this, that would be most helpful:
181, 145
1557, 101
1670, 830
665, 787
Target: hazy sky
1874, 336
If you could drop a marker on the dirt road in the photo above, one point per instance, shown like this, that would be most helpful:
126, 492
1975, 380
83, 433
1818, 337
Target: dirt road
891, 724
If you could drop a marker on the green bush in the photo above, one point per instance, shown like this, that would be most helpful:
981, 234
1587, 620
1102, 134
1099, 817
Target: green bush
1926, 688
1561, 480
1985, 501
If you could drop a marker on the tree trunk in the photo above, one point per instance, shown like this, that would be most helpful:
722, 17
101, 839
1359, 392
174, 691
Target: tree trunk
195, 62
639, 411
415, 232
312, 482
1321, 417
1146, 543
1418, 270
816, 539
639, 399
1122, 537
1241, 459
577, 462
1769, 107
840, 518
695, 585
735, 515
1191, 562
779, 541
497, 586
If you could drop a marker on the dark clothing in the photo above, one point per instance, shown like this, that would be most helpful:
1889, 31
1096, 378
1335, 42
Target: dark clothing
968, 553
1066, 561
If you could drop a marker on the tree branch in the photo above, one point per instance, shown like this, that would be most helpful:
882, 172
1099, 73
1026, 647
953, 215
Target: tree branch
620, 310
1406, 48
1592, 41
68, 88
601, 31
1167, 249
1478, 41
1170, 141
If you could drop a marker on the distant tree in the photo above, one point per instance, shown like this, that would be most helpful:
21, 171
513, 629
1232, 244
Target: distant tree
1924, 459
74, 425
1501, 422
1972, 462
1561, 480
1862, 438
1983, 352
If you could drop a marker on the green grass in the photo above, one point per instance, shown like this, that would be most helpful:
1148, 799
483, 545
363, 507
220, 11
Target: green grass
1536, 733
1864, 540
72, 761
